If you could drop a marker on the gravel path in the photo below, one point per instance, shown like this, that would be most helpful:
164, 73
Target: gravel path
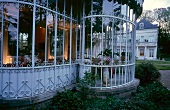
165, 78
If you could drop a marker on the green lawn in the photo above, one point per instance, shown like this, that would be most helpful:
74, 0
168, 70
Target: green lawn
160, 65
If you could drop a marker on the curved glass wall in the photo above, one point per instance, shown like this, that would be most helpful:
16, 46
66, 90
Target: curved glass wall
40, 35
39, 40
108, 30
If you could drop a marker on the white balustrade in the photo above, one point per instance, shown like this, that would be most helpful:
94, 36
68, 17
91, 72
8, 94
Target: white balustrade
28, 82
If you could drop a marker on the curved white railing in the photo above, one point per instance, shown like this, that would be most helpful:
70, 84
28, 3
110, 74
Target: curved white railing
109, 76
29, 82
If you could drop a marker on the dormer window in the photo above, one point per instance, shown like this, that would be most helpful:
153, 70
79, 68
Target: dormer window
141, 26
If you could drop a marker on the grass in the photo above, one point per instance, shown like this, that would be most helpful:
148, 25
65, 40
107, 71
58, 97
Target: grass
160, 65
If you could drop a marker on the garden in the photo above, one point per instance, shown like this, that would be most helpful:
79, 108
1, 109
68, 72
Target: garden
160, 65
150, 95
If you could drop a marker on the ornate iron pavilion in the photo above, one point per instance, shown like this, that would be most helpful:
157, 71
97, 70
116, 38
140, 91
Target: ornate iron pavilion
46, 44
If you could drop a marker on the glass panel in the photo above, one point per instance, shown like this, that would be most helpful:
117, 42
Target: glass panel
52, 4
67, 40
68, 7
87, 38
97, 35
40, 35
74, 39
25, 34
50, 37
60, 39
97, 7
88, 7
76, 10
10, 33
79, 42
60, 6
41, 2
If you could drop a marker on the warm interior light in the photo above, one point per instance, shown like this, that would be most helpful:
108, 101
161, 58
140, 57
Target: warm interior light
79, 26
10, 60
65, 56
51, 57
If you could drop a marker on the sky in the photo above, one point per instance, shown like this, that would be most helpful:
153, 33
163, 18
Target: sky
152, 4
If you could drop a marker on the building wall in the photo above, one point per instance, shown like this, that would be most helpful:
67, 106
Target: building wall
146, 39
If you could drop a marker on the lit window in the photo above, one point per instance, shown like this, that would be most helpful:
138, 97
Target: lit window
141, 52
23, 38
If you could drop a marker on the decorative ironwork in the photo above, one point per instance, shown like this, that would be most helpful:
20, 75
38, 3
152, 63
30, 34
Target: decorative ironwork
61, 82
73, 78
50, 86
67, 77
9, 92
24, 90
40, 87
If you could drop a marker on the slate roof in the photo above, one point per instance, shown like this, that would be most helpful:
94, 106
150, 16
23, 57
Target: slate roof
147, 25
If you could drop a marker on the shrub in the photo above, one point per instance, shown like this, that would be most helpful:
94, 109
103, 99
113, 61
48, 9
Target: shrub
146, 72
67, 100
152, 96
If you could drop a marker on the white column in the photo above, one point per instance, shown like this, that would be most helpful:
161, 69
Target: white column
83, 37
46, 40
2, 28
55, 38
145, 53
91, 40
76, 39
133, 44
80, 45
55, 45
17, 36
33, 45
71, 35
137, 51
155, 53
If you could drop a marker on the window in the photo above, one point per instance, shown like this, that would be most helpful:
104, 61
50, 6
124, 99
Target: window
141, 52
23, 38
141, 26
151, 52
118, 50
151, 39
142, 39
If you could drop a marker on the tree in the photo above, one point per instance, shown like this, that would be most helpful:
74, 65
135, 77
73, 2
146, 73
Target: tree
148, 15
163, 16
